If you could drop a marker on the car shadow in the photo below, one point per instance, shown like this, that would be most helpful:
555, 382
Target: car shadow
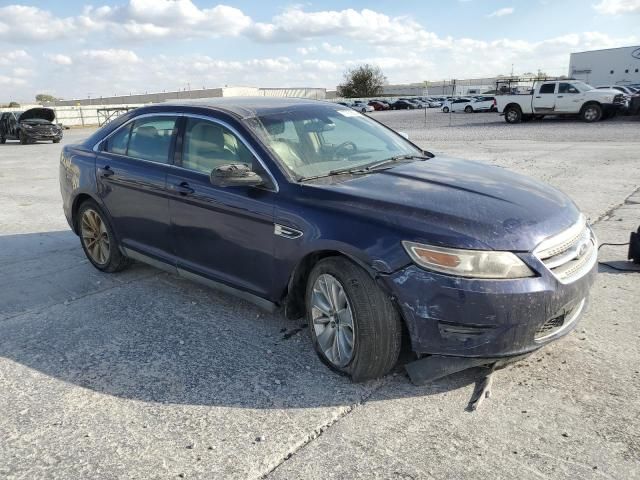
146, 335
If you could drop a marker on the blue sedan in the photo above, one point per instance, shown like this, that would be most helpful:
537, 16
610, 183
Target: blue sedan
318, 210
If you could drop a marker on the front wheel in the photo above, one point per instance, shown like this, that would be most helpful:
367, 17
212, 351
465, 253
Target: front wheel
57, 140
23, 138
3, 140
355, 328
98, 240
468, 109
591, 113
445, 109
513, 115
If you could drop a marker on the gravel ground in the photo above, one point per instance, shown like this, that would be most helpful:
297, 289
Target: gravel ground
144, 375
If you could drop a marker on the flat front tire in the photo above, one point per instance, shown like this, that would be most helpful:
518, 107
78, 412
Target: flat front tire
354, 326
98, 240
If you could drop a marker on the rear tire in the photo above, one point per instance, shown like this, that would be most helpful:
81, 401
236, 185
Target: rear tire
591, 113
376, 329
513, 115
98, 239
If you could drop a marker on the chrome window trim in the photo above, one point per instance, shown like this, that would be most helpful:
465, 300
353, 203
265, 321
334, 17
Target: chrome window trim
276, 186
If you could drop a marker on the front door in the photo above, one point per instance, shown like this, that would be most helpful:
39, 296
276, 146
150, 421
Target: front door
131, 172
223, 233
569, 99
544, 101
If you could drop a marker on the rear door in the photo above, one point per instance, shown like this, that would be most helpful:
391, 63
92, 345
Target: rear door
544, 101
225, 234
131, 172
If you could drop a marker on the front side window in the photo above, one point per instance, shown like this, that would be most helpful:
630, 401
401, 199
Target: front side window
208, 145
567, 88
548, 88
327, 139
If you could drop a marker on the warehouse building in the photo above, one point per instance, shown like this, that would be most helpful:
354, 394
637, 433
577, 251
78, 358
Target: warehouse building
611, 66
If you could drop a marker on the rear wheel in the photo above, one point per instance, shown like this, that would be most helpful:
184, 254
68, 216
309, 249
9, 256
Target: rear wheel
3, 140
355, 328
513, 115
98, 240
591, 113
57, 140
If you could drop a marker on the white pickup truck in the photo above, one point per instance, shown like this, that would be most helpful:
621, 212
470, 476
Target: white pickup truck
563, 97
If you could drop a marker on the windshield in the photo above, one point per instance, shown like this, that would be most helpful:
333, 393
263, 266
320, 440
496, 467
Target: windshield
583, 87
317, 140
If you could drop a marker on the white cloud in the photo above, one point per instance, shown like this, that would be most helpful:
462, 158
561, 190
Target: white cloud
59, 59
306, 50
14, 57
335, 49
110, 56
614, 7
502, 12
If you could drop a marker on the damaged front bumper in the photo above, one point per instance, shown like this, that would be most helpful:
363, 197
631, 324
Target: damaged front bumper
486, 319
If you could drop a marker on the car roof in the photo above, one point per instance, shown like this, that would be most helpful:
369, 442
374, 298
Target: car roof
247, 107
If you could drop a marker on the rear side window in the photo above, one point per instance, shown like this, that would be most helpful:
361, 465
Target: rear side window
117, 143
151, 138
148, 138
548, 88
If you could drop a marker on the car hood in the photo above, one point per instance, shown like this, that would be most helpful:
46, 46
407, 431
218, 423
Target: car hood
38, 113
460, 203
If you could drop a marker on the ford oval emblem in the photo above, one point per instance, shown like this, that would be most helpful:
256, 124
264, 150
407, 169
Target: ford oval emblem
636, 53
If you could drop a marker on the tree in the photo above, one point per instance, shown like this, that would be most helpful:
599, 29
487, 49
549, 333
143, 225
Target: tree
14, 105
363, 81
43, 97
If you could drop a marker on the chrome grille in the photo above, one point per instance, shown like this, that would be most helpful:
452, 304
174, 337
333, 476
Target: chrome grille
570, 254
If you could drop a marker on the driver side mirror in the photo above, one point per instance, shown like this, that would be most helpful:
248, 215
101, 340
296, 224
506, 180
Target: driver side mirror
235, 175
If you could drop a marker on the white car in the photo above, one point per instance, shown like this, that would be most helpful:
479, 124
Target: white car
455, 105
362, 107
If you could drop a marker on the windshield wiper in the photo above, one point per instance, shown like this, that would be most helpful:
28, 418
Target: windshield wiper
366, 168
373, 166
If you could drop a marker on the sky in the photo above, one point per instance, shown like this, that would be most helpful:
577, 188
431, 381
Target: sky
85, 48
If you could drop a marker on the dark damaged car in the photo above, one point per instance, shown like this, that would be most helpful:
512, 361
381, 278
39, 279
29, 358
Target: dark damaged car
35, 124
321, 211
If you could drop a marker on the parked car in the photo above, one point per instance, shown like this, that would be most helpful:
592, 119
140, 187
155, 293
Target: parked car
456, 105
30, 126
362, 107
435, 103
416, 103
378, 105
280, 200
402, 105
481, 103
564, 97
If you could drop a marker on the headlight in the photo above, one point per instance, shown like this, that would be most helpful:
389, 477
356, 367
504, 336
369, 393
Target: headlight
28, 127
468, 263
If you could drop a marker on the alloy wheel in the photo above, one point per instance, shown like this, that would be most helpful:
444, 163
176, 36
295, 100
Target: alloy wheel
333, 320
95, 236
591, 114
